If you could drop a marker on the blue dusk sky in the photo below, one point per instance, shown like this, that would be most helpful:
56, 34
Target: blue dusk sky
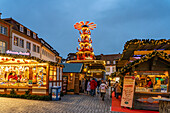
117, 21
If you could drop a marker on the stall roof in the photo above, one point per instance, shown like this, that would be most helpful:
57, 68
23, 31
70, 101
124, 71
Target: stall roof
142, 44
8, 58
161, 54
72, 67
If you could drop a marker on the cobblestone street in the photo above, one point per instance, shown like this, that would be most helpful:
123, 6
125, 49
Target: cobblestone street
68, 104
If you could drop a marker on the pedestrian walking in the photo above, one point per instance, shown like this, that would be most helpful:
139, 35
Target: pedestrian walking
103, 88
98, 86
93, 85
83, 85
88, 87
117, 89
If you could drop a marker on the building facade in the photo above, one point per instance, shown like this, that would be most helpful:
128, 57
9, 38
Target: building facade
110, 61
22, 39
5, 33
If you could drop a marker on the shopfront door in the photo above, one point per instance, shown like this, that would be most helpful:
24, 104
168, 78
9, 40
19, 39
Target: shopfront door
76, 84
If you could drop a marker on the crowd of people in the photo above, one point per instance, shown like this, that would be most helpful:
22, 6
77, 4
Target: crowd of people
92, 86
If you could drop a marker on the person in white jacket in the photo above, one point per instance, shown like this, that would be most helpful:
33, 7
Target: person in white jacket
103, 88
88, 87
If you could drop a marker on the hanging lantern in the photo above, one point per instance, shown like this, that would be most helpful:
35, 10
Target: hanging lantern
2, 59
18, 61
7, 59
13, 59
26, 62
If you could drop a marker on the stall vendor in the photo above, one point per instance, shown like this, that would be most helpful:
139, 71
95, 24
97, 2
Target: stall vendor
149, 83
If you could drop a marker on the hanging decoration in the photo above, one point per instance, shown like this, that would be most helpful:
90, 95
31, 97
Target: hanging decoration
142, 42
85, 52
13, 58
124, 69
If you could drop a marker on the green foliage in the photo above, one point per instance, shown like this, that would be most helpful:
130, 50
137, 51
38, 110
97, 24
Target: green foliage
12, 92
27, 92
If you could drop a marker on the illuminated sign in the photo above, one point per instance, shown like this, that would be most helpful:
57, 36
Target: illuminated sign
17, 53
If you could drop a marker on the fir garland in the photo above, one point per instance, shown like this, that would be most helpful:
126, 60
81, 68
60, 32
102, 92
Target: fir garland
161, 54
144, 42
30, 58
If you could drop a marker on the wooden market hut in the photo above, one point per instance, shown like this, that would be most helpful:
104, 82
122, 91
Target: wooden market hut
154, 66
72, 72
25, 73
146, 60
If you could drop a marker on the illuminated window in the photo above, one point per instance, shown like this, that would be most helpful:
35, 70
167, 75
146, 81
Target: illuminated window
28, 45
16, 40
34, 47
114, 62
107, 69
2, 47
114, 68
28, 32
108, 62
21, 28
22, 43
3, 30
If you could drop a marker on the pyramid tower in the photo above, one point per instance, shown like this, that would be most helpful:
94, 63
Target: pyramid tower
85, 51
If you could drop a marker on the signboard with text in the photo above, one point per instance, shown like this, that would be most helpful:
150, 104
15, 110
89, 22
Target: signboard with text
17, 53
128, 91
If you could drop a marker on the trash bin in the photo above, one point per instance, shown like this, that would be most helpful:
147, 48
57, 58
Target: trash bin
55, 93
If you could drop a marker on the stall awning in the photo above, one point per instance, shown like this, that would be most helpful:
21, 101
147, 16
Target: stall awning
72, 67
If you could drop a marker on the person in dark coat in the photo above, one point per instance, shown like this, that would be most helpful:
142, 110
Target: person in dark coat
93, 85
98, 85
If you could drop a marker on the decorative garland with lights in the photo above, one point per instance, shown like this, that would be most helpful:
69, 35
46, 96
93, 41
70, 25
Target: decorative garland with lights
144, 42
27, 57
161, 54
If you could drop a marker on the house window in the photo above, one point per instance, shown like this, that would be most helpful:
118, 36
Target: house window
21, 28
34, 35
2, 47
108, 62
3, 30
38, 49
114, 62
28, 32
22, 43
34, 47
29, 45
107, 69
114, 68
16, 41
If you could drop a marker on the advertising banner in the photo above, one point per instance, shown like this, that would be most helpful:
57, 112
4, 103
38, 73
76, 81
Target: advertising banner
128, 91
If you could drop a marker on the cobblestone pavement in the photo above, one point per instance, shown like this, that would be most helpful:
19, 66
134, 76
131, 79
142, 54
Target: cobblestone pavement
68, 104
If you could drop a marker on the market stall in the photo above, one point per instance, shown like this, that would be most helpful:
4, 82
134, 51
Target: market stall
25, 73
151, 75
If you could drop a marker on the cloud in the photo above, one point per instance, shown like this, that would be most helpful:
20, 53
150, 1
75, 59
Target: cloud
117, 21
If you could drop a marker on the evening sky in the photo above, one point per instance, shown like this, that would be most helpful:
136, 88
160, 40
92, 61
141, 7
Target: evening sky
117, 21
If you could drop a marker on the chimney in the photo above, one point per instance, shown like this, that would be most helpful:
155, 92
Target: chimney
0, 15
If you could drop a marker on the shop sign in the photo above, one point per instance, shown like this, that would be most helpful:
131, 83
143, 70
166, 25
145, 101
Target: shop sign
151, 73
17, 53
95, 71
128, 91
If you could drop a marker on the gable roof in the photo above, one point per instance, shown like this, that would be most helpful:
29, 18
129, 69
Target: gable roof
161, 54
72, 67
